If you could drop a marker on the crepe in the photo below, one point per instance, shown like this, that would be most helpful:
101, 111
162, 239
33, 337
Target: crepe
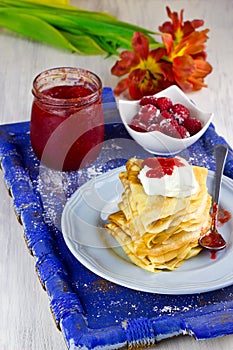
158, 232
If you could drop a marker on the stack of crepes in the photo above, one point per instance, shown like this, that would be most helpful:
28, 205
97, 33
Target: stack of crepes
159, 232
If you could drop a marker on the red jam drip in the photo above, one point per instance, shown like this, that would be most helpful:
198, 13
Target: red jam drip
161, 166
67, 92
213, 254
223, 216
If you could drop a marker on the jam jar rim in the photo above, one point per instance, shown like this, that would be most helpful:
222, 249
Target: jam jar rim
66, 102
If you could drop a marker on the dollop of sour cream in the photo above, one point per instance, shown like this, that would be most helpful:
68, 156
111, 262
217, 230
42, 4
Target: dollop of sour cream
177, 180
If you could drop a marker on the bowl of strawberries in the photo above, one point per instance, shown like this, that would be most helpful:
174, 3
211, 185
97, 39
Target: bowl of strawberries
165, 123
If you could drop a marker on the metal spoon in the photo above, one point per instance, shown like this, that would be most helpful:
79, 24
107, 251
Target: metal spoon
212, 239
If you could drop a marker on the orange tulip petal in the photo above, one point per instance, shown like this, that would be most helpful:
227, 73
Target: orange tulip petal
137, 75
196, 23
140, 44
183, 66
190, 73
176, 20
203, 68
121, 86
124, 65
168, 42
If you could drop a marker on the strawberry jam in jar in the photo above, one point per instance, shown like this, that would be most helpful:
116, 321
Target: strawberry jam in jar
67, 122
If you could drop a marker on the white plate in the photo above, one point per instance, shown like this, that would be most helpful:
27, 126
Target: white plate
83, 220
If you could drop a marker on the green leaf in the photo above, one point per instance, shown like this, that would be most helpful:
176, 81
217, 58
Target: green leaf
69, 27
34, 28
109, 46
84, 44
51, 6
103, 29
68, 10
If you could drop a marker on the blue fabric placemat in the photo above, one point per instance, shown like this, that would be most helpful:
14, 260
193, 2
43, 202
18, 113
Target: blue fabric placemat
91, 311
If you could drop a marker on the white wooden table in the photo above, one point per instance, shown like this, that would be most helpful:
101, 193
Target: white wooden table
26, 322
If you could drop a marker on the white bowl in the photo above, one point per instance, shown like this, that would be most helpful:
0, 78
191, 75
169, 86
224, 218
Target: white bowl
156, 142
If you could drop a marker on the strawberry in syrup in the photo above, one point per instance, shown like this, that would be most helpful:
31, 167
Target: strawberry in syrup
160, 114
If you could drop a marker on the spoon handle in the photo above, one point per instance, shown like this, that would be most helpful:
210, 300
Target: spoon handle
220, 157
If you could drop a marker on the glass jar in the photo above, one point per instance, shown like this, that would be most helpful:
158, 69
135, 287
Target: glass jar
67, 122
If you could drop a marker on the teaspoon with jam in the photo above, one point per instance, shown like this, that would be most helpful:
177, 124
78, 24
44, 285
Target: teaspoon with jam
213, 240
